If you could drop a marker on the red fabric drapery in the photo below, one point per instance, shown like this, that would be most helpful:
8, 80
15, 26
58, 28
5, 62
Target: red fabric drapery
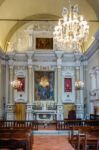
67, 84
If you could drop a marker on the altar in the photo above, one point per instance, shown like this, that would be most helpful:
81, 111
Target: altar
45, 115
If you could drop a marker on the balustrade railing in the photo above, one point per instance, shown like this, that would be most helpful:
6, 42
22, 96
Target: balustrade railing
19, 124
66, 124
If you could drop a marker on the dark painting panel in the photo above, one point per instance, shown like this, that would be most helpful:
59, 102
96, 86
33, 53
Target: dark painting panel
44, 43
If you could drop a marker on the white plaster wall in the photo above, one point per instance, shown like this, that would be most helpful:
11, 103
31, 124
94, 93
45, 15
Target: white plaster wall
93, 61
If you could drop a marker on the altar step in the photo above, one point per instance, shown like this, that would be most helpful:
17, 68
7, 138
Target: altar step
51, 132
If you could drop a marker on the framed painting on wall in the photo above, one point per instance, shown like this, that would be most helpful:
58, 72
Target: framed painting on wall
67, 84
22, 87
44, 85
44, 43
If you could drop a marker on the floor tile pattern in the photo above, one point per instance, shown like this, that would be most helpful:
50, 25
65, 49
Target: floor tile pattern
49, 142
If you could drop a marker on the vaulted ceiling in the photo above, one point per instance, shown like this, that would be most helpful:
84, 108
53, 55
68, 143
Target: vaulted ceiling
12, 13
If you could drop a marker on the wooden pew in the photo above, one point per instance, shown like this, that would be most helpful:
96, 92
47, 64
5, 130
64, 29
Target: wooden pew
16, 138
87, 137
17, 134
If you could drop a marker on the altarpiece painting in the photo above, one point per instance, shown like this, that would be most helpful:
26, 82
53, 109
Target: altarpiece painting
44, 85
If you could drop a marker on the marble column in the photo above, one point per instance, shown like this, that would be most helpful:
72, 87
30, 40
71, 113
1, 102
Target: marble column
30, 83
7, 83
82, 90
1, 105
93, 81
97, 78
10, 107
59, 74
30, 86
78, 94
33, 84
91, 108
11, 78
59, 55
77, 78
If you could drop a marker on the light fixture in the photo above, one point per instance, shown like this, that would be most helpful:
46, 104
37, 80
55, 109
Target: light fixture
44, 81
72, 29
79, 85
16, 84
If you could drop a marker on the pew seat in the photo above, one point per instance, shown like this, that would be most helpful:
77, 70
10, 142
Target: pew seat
13, 144
16, 138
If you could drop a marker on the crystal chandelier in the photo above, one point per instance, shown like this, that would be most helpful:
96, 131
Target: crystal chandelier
16, 84
72, 29
79, 85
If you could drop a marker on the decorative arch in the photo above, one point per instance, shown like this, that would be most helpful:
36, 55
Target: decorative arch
20, 23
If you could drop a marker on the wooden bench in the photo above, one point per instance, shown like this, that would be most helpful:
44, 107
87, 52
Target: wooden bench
87, 138
17, 134
16, 138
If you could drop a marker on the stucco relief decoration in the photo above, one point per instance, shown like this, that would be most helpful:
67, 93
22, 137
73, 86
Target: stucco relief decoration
30, 35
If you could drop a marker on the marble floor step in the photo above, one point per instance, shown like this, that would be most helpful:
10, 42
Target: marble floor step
51, 132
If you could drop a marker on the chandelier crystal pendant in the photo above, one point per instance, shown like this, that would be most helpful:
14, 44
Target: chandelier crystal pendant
16, 84
72, 29
79, 85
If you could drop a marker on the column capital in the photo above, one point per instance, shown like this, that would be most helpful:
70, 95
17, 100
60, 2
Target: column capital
77, 67
59, 54
11, 59
97, 69
11, 55
91, 74
29, 54
11, 63
59, 62
77, 57
77, 63
29, 66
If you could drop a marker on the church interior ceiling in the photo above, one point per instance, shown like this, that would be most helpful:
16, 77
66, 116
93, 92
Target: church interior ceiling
16, 13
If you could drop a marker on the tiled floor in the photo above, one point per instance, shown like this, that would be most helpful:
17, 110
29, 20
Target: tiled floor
51, 142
